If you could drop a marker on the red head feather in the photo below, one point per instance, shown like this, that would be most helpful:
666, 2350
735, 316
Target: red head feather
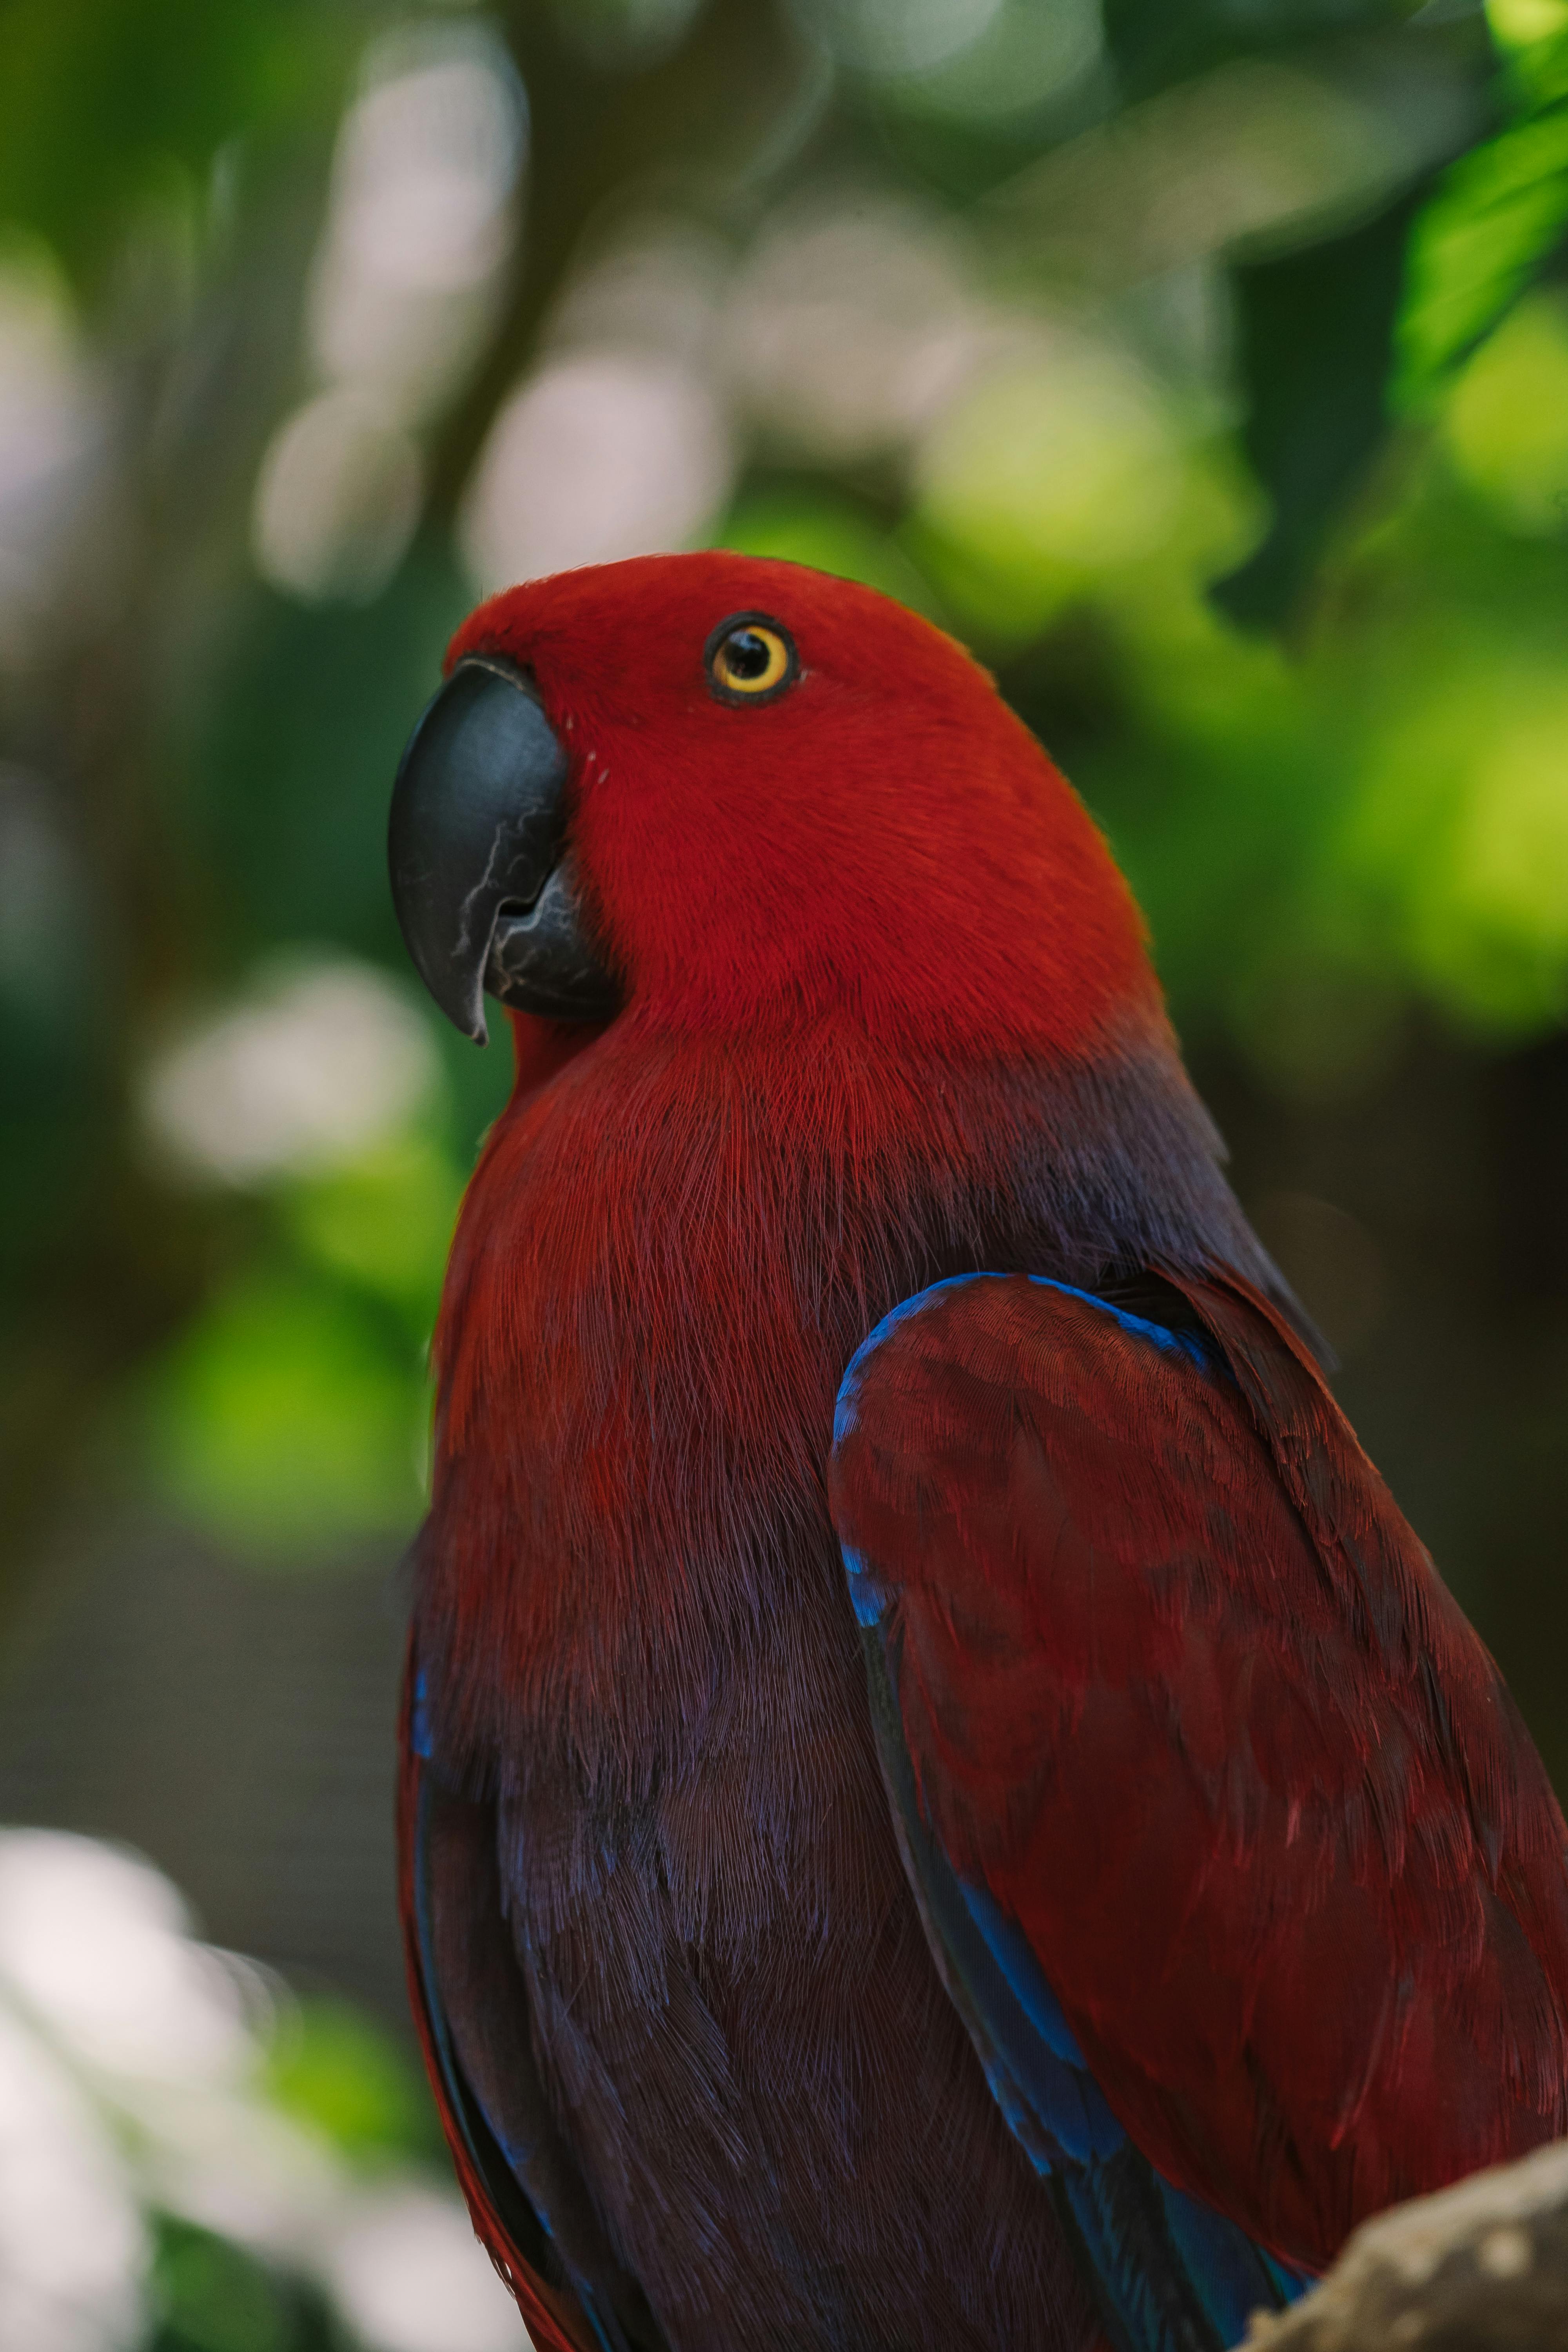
885, 839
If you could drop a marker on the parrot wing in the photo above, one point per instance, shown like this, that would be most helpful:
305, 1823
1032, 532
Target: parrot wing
1234, 1853
530, 2210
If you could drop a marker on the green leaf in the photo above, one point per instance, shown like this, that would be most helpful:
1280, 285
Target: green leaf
384, 1224
210, 2297
334, 2069
1496, 217
307, 716
1504, 425
285, 1421
1316, 330
98, 98
1155, 42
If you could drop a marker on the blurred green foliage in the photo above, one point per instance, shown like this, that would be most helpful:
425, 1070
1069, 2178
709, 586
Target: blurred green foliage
1327, 833
1249, 480
209, 2296
280, 1419
1500, 212
115, 106
331, 2068
1365, 450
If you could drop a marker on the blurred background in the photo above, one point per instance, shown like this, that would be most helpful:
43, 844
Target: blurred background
1202, 363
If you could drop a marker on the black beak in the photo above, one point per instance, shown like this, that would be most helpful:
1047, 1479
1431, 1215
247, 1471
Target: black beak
481, 878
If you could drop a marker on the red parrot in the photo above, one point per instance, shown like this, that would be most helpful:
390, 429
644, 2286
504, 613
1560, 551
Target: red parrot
944, 1809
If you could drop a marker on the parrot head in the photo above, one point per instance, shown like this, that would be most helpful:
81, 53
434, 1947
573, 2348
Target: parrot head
731, 792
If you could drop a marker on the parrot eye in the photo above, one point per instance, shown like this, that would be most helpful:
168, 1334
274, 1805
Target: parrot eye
751, 659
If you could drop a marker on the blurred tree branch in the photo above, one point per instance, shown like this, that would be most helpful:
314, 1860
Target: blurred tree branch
739, 72
1482, 2267
194, 373
196, 380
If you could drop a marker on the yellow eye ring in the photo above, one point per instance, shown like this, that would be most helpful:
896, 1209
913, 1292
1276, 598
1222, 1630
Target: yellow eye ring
750, 657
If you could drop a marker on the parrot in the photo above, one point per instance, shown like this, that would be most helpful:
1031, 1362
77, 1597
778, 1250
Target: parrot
942, 1806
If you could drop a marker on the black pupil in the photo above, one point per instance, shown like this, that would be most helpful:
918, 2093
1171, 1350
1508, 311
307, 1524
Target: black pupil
746, 655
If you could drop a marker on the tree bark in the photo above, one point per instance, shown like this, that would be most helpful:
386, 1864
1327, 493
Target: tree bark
1482, 2267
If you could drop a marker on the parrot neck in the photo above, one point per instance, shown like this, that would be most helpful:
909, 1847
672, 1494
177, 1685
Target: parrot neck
630, 1149
668, 1252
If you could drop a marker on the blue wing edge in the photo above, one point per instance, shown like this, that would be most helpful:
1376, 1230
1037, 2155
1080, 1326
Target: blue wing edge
1170, 2274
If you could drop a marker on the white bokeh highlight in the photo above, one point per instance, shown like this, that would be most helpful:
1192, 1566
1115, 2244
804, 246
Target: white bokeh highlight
421, 220
337, 498
851, 328
50, 430
73, 2250
131, 2081
314, 1064
420, 217
402, 2264
897, 36
603, 454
